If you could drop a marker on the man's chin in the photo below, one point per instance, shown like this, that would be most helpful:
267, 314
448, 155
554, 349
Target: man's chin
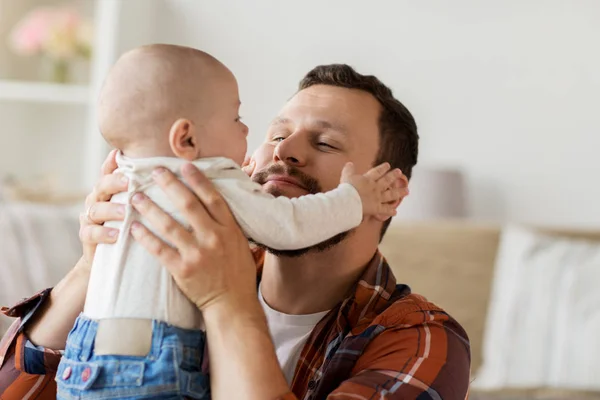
318, 248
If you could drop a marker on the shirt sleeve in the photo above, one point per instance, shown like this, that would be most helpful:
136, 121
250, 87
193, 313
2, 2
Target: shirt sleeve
287, 396
26, 370
428, 359
282, 223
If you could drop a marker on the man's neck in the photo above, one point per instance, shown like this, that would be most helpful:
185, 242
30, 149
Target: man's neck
316, 281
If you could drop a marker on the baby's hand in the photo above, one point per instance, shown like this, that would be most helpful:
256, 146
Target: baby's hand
380, 189
248, 165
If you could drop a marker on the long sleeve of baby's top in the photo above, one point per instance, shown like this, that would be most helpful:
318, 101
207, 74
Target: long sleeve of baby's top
277, 222
282, 223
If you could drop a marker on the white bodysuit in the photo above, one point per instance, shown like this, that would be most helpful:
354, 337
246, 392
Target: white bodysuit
127, 282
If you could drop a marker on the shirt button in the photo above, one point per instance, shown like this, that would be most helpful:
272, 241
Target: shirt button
85, 375
66, 373
311, 385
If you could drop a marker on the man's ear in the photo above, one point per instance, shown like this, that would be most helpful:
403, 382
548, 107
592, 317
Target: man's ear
401, 183
183, 140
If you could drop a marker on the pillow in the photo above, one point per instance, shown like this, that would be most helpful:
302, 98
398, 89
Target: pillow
543, 323
40, 244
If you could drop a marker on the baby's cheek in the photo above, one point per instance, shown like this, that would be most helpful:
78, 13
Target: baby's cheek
238, 155
243, 150
235, 148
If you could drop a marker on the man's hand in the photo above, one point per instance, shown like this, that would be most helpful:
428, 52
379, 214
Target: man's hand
99, 209
380, 189
214, 268
211, 262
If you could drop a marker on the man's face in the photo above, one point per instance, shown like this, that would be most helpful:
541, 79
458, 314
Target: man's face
318, 131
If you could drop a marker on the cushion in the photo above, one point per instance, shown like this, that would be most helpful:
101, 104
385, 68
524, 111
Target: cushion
543, 322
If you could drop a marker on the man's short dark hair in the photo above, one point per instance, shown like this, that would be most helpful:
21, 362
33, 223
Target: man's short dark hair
398, 137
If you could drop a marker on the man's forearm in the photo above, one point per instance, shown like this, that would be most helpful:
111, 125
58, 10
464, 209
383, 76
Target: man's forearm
243, 363
53, 322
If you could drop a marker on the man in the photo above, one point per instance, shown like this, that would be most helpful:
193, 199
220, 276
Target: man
340, 326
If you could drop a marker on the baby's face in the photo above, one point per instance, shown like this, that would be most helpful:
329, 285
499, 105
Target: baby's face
223, 134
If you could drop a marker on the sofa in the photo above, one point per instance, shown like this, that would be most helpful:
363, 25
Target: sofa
452, 264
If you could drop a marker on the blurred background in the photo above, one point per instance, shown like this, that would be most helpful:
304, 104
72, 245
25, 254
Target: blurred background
505, 95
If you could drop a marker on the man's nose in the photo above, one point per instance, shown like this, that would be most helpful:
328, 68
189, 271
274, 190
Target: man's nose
291, 150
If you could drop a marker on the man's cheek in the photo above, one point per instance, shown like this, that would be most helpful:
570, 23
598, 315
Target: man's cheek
330, 182
263, 156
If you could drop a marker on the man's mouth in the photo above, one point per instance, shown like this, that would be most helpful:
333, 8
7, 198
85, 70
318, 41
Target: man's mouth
281, 176
285, 179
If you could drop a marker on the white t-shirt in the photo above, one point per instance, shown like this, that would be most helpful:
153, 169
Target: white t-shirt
289, 334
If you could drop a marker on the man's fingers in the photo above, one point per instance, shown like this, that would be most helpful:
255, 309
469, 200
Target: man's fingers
99, 213
110, 163
168, 256
182, 197
212, 200
96, 234
379, 171
108, 186
162, 222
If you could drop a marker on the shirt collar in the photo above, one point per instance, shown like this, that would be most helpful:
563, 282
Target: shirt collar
374, 291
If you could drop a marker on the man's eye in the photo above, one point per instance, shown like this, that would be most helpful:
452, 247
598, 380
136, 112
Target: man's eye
327, 145
278, 139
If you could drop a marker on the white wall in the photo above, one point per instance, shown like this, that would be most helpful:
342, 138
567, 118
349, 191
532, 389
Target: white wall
508, 91
41, 142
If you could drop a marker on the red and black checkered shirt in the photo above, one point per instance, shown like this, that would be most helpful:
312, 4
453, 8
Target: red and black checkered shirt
381, 342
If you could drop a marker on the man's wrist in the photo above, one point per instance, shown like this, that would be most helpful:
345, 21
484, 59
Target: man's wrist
239, 340
242, 310
53, 321
82, 265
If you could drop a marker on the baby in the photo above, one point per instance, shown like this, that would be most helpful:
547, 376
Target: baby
164, 105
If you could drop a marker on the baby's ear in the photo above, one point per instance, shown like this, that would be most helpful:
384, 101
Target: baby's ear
182, 139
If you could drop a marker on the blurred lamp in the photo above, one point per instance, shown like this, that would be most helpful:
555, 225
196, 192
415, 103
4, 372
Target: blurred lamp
434, 194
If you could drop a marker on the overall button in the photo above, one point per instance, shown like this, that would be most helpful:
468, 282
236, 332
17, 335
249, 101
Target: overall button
85, 375
67, 373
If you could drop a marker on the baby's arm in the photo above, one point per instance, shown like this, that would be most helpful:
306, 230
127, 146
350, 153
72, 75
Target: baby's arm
287, 224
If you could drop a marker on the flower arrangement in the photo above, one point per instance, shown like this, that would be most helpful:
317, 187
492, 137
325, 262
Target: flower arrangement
60, 34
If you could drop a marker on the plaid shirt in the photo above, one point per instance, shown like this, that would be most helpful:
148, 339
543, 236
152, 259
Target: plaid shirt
381, 342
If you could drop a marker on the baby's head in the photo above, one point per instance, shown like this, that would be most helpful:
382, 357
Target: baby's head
166, 100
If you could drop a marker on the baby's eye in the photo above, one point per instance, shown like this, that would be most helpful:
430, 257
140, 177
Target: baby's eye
238, 119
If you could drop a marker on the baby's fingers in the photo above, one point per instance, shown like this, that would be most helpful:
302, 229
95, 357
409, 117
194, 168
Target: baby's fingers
347, 172
377, 172
393, 195
388, 180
